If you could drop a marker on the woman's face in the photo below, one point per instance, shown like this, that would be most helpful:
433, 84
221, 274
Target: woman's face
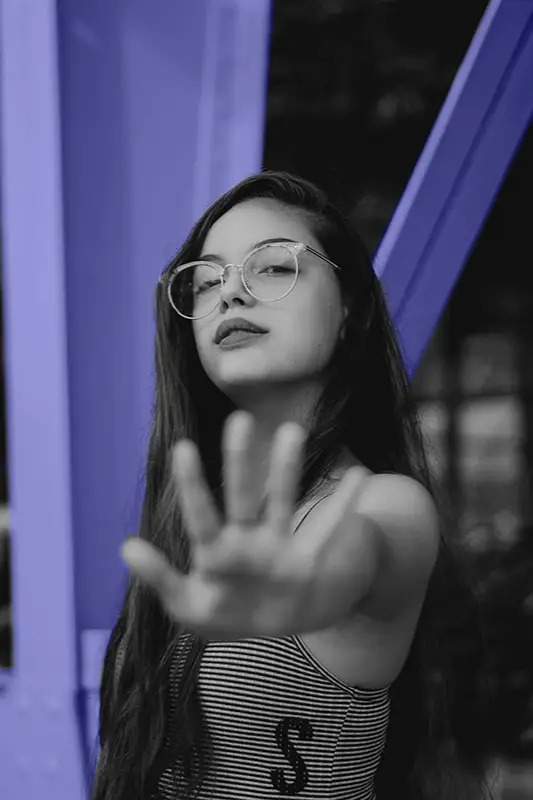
301, 329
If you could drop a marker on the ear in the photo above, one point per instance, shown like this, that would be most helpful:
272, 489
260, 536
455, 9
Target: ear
345, 315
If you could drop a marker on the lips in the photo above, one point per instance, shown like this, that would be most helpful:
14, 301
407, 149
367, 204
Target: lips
239, 339
238, 324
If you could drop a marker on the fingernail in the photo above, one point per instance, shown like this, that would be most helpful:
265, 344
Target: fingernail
295, 432
126, 545
243, 418
130, 538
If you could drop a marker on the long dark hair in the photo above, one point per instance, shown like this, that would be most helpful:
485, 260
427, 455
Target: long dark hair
151, 731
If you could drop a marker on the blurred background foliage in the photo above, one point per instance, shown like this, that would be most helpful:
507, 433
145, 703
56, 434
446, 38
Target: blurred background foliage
355, 87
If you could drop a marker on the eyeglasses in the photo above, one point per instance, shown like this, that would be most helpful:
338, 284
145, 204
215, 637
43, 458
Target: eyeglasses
269, 273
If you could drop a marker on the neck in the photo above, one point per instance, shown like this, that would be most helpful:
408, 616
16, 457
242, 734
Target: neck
272, 407
275, 406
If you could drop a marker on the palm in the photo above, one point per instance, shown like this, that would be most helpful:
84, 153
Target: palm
247, 578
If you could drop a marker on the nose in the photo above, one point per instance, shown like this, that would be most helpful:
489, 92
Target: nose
233, 291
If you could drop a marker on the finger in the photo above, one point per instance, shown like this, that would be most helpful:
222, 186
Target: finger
197, 505
152, 567
184, 597
241, 494
284, 475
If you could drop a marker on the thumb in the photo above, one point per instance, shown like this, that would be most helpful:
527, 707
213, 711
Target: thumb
151, 565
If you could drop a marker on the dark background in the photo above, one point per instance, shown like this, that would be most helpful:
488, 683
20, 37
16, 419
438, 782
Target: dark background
355, 87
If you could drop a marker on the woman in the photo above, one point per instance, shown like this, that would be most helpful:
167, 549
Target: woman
289, 623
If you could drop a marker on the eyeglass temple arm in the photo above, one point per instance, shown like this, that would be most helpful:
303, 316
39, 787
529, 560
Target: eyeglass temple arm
319, 255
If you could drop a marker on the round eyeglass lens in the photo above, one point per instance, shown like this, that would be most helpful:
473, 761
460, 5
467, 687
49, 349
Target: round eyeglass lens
195, 291
271, 272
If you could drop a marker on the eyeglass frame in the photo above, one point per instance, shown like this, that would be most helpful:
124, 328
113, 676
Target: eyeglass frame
295, 248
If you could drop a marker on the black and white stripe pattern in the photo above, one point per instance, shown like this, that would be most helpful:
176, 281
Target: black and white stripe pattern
281, 724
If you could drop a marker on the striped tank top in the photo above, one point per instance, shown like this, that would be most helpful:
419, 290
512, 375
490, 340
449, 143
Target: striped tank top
281, 724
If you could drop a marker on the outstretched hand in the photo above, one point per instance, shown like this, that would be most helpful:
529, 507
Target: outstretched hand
248, 577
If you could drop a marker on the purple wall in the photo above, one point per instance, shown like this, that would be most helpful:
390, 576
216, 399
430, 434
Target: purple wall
103, 172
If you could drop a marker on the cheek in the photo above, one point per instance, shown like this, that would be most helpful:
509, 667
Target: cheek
323, 318
313, 333
204, 344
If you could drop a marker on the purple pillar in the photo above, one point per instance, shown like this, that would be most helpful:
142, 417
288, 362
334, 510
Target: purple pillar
39, 734
136, 83
460, 170
120, 122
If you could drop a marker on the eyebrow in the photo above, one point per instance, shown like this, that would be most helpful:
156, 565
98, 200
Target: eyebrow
221, 260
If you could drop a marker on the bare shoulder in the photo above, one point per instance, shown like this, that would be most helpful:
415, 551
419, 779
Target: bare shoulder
406, 523
369, 646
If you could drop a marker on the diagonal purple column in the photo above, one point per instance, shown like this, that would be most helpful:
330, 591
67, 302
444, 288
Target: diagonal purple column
135, 89
449, 195
163, 109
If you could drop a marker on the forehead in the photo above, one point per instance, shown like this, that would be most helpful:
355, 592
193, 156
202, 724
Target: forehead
242, 227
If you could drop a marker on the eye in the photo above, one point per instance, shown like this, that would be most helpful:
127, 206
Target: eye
205, 286
271, 269
205, 278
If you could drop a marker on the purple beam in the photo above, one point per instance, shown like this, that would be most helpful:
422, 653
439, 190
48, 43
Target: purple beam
232, 102
181, 95
129, 82
452, 188
138, 83
39, 736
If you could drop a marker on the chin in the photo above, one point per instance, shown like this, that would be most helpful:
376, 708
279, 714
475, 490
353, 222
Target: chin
246, 369
234, 376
